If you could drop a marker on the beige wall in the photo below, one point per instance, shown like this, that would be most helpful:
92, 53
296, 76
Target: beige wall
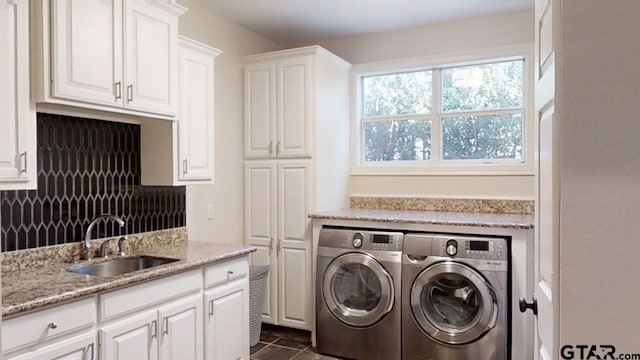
438, 39
207, 27
600, 174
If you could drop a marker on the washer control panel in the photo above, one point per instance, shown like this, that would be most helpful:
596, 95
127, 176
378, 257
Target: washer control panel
361, 239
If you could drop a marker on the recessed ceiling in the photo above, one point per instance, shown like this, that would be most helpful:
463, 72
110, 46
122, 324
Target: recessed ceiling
295, 22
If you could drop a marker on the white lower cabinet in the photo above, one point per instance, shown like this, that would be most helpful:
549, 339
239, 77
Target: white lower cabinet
160, 319
81, 347
227, 324
174, 331
181, 329
227, 320
134, 337
277, 201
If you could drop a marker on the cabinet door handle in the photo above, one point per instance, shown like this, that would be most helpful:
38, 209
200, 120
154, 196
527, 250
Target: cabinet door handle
279, 245
91, 350
23, 157
270, 148
165, 326
154, 329
129, 93
277, 148
118, 90
184, 167
270, 245
210, 307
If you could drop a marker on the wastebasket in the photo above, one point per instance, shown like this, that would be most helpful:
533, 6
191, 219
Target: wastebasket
257, 284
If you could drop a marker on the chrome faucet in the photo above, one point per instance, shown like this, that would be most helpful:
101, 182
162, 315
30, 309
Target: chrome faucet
87, 236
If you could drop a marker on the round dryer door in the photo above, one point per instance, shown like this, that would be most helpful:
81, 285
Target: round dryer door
357, 289
453, 303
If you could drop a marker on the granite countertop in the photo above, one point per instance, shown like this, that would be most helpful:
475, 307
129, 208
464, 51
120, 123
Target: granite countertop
493, 220
33, 288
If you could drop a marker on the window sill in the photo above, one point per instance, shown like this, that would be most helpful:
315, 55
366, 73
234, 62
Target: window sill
470, 170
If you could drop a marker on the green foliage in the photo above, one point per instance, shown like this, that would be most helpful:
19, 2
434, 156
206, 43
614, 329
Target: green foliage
397, 140
482, 137
483, 88
397, 94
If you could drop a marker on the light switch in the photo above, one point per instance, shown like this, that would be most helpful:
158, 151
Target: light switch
211, 211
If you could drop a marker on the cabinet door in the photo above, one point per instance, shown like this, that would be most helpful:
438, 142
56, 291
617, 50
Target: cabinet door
294, 107
151, 58
17, 117
227, 322
294, 244
181, 329
260, 225
87, 51
78, 348
133, 338
259, 110
196, 111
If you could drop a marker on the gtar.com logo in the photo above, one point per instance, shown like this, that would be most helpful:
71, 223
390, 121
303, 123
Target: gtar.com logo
586, 352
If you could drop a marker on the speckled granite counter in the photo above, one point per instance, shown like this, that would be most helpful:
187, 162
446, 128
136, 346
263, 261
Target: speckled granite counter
34, 288
511, 221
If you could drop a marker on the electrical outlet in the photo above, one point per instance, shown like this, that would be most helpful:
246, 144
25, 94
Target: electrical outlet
211, 211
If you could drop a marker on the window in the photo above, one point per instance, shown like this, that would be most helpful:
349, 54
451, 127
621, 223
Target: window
448, 118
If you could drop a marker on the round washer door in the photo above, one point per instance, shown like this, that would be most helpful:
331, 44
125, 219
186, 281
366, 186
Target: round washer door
357, 289
453, 303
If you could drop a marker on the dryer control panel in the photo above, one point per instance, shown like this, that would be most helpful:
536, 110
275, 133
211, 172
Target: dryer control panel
456, 246
472, 248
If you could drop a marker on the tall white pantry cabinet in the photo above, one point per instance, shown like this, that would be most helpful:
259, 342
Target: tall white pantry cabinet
296, 126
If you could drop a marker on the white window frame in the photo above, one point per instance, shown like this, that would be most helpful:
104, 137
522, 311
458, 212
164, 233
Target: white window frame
435, 166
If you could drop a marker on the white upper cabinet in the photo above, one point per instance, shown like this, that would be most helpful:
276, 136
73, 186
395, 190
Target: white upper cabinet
196, 111
278, 113
87, 50
17, 115
111, 55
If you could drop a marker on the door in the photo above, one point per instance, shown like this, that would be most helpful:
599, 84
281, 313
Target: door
548, 180
87, 51
260, 219
196, 111
259, 110
227, 322
78, 348
294, 112
133, 338
17, 116
357, 289
294, 244
181, 329
452, 303
151, 58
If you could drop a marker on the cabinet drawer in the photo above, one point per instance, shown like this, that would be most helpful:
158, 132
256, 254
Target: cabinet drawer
225, 271
47, 324
138, 297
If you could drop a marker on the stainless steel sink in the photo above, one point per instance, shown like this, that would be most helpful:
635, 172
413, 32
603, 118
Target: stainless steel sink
121, 266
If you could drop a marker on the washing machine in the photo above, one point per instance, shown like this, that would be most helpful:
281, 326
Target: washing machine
358, 287
456, 297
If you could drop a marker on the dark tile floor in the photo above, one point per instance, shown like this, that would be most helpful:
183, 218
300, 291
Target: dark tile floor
280, 343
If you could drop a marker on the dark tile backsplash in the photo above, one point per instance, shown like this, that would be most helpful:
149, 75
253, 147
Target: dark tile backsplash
86, 168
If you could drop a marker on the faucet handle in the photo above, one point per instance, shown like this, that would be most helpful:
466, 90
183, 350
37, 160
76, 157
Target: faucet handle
104, 249
121, 245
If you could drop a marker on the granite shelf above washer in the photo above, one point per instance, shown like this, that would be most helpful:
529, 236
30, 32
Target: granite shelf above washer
492, 220
35, 288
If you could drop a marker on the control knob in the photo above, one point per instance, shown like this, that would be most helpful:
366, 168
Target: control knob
452, 247
357, 240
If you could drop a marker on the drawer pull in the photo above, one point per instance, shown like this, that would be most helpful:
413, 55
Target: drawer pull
91, 350
229, 274
52, 325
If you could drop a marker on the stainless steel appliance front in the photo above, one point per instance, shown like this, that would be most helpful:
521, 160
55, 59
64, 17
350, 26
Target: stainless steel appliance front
357, 294
455, 296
